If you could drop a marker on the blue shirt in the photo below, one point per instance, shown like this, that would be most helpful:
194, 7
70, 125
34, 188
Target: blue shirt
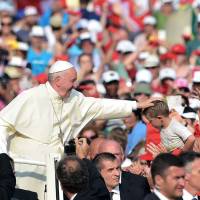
45, 18
137, 134
38, 61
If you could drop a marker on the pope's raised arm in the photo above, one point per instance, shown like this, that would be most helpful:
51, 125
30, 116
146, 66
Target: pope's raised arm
42, 118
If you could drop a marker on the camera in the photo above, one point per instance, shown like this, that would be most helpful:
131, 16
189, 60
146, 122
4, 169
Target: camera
70, 146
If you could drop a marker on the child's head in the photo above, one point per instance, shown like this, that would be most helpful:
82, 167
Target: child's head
156, 113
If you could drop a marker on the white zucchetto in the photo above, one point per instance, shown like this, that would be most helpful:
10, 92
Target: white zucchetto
60, 66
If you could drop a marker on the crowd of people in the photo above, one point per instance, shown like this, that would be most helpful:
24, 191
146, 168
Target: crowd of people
125, 74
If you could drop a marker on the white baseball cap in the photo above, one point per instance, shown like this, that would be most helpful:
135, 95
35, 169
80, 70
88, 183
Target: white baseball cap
82, 24
22, 46
17, 61
149, 20
87, 36
110, 76
151, 61
167, 73
95, 26
60, 66
194, 103
30, 10
125, 46
37, 31
143, 75
196, 77
167, 1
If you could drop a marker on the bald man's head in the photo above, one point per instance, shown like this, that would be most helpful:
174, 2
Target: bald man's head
94, 147
112, 146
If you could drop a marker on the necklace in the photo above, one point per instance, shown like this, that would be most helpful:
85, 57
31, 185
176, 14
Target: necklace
60, 135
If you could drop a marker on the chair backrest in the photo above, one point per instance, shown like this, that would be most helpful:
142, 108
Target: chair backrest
21, 194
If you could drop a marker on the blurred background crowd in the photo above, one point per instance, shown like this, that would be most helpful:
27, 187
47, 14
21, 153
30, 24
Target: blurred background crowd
122, 49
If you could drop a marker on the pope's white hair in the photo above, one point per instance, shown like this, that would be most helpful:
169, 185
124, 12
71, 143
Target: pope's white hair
53, 76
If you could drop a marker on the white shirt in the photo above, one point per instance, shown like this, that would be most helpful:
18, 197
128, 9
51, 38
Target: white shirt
116, 193
160, 195
72, 198
187, 195
175, 135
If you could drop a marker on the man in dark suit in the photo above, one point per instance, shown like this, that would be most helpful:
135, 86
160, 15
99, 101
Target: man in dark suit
168, 174
191, 162
121, 185
79, 178
7, 177
132, 186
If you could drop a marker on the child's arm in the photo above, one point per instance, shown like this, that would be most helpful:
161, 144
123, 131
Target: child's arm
188, 146
186, 135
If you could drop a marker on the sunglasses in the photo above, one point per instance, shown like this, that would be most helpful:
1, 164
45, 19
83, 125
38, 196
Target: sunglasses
138, 94
6, 24
184, 89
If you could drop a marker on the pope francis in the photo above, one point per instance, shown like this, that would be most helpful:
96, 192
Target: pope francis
39, 120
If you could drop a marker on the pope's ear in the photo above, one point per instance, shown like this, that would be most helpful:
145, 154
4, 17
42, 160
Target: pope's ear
57, 80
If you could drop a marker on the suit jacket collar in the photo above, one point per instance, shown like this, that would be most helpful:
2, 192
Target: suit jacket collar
160, 195
123, 187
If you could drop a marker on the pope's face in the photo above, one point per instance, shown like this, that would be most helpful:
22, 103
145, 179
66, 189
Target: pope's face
67, 82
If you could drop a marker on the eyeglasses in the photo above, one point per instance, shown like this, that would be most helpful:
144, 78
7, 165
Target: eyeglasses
140, 93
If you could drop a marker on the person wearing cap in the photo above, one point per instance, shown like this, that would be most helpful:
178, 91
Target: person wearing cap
143, 76
43, 118
165, 11
167, 76
125, 66
181, 64
22, 49
86, 44
142, 40
182, 87
190, 116
30, 19
88, 88
37, 55
142, 91
152, 63
111, 83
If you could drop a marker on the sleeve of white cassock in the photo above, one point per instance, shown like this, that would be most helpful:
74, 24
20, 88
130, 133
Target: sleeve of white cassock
4, 134
107, 108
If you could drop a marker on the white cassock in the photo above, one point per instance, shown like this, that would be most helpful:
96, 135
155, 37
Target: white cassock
31, 124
